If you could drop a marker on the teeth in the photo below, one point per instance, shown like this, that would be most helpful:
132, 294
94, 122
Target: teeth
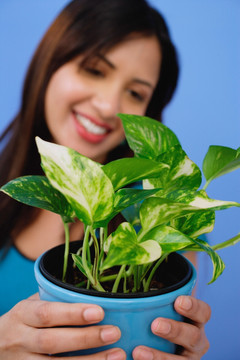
90, 126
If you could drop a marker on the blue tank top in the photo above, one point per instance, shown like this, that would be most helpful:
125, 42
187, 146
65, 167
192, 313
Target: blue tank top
17, 281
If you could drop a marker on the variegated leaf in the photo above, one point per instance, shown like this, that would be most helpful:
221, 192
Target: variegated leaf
124, 249
156, 211
202, 201
172, 240
122, 172
125, 198
218, 161
181, 173
218, 264
78, 262
147, 137
169, 239
128, 196
195, 224
38, 192
79, 179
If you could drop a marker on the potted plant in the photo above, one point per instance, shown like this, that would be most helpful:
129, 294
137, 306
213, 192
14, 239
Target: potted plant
136, 270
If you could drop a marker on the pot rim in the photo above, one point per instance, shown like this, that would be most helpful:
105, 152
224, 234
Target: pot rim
42, 275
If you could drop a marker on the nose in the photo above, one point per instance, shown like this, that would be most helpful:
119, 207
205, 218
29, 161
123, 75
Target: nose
107, 102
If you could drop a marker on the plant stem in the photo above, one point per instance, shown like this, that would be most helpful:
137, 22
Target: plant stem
125, 290
134, 278
233, 241
157, 264
206, 185
96, 257
141, 234
93, 281
66, 251
145, 271
138, 277
126, 274
108, 278
119, 276
227, 243
103, 236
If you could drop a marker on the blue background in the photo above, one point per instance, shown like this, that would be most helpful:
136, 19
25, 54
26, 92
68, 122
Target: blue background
204, 111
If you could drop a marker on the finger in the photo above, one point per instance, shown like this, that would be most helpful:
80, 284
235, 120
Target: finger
59, 340
145, 353
50, 314
190, 337
34, 297
196, 310
113, 354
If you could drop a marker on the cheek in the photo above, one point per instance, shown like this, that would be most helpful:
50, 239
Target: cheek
62, 91
137, 110
120, 134
53, 98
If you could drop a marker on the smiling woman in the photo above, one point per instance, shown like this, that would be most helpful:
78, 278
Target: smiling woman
79, 78
83, 97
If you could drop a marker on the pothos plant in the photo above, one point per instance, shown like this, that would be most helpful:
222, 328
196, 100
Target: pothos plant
167, 214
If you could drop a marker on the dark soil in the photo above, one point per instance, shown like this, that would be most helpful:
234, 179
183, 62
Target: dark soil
171, 274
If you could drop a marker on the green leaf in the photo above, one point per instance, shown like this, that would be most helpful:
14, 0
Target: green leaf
124, 249
79, 179
181, 173
148, 138
195, 224
128, 196
168, 238
156, 211
78, 262
218, 161
125, 198
200, 200
172, 240
218, 264
38, 192
122, 172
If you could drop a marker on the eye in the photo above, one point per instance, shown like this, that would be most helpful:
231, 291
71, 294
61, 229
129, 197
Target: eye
94, 71
136, 95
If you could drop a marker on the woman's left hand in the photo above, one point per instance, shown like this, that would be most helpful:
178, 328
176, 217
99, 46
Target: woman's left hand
189, 336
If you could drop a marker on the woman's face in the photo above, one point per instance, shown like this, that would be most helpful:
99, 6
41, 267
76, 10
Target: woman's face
82, 100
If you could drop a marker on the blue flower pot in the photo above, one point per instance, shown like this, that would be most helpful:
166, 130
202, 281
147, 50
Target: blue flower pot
132, 313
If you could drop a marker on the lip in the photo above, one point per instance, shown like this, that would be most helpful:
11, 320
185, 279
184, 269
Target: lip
85, 134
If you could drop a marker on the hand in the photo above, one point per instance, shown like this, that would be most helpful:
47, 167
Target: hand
189, 336
33, 329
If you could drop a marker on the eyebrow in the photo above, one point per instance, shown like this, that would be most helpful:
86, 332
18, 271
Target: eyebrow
103, 58
112, 66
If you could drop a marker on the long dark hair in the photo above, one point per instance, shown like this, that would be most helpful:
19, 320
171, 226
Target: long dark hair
83, 27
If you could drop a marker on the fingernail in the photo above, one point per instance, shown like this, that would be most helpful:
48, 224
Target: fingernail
185, 303
116, 355
110, 334
161, 327
143, 354
93, 314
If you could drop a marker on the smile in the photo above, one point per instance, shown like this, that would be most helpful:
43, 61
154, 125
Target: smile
89, 129
90, 126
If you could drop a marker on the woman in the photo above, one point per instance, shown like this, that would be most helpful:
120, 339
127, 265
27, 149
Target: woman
98, 58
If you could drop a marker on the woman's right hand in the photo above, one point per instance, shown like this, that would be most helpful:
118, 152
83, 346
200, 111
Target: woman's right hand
33, 329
